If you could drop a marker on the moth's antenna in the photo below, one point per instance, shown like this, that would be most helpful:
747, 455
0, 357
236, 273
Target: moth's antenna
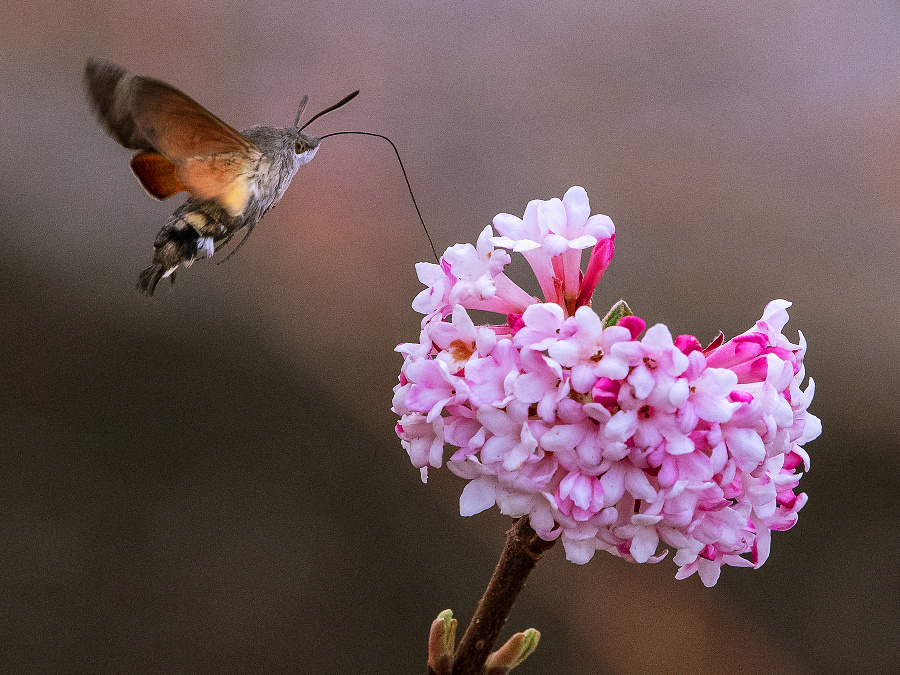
402, 168
346, 99
300, 110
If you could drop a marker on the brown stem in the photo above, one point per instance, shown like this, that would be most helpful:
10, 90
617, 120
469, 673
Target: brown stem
520, 554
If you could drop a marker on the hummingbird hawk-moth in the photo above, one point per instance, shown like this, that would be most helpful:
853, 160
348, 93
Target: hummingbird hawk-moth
233, 178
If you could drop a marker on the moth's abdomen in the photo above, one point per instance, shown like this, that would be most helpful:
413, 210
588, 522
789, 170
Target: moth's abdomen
192, 229
198, 222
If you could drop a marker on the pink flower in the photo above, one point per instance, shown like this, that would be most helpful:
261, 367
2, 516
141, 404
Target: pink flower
471, 276
579, 496
605, 435
551, 236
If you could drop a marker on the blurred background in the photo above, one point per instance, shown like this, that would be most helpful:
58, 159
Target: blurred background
208, 481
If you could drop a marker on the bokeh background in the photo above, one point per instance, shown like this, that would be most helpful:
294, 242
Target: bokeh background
208, 482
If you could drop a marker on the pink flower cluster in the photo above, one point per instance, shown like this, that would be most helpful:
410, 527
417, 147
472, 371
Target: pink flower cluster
603, 437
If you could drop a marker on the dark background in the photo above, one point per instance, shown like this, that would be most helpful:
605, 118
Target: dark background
209, 481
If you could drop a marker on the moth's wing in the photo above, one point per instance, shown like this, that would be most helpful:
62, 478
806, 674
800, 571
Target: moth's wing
219, 177
179, 127
158, 175
210, 177
109, 89
227, 178
212, 160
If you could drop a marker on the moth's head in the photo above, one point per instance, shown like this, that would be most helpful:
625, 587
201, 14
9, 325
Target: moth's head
305, 148
305, 143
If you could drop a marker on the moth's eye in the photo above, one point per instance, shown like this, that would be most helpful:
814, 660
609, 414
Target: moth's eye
301, 146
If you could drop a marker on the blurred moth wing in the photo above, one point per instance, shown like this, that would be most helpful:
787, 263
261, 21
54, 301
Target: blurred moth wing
181, 145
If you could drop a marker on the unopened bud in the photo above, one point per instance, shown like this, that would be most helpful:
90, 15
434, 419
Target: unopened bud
518, 648
441, 643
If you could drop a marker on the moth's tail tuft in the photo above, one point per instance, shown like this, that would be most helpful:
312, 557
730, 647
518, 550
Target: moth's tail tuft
150, 277
176, 244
